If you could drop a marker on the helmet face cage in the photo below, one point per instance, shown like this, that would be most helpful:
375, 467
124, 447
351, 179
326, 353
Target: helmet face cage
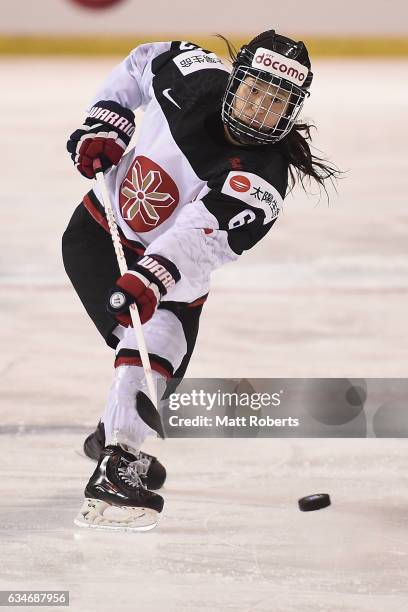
249, 120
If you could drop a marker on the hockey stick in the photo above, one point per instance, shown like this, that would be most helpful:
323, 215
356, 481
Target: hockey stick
134, 313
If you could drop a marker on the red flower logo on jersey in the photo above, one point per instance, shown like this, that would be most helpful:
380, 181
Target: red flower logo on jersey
148, 195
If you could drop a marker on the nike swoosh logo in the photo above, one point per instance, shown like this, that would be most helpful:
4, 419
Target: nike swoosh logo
168, 96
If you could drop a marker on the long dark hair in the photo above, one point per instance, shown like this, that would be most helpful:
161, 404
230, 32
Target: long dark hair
304, 166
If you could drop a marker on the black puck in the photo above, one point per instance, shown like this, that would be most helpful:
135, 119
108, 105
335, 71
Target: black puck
314, 502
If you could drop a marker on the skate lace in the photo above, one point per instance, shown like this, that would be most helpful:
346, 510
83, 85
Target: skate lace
132, 473
143, 464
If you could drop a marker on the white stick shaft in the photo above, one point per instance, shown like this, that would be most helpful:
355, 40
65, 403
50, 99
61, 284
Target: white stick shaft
134, 313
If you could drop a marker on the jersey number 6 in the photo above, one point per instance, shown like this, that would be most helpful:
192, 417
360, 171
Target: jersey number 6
242, 218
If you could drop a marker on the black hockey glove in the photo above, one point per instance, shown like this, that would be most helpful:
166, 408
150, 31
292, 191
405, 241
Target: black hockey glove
105, 134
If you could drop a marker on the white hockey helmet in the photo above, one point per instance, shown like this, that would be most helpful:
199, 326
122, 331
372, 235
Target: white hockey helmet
277, 69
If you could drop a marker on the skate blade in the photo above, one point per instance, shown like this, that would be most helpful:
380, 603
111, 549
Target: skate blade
97, 514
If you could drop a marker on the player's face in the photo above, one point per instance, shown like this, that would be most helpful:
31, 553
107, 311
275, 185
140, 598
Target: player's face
258, 104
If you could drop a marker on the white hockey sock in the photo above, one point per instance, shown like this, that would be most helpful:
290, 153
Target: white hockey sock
122, 422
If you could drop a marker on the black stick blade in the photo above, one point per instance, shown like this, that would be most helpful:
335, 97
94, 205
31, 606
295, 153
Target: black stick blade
149, 414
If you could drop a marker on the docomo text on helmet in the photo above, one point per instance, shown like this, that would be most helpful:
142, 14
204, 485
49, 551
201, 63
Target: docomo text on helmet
279, 65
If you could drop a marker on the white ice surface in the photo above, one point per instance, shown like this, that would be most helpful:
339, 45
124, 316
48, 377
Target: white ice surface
325, 294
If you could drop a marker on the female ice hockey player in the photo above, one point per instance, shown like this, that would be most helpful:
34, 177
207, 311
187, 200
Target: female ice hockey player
204, 182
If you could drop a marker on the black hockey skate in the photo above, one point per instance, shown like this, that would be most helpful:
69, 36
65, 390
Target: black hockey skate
116, 497
154, 474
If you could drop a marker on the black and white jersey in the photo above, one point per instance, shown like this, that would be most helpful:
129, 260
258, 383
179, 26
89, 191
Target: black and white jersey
183, 191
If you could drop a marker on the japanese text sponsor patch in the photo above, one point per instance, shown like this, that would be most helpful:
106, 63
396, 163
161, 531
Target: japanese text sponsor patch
255, 191
194, 60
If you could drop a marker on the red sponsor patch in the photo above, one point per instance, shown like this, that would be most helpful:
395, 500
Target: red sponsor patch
240, 183
148, 195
